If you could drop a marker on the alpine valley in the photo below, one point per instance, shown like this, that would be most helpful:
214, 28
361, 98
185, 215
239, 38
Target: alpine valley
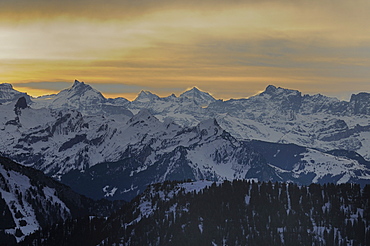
68, 160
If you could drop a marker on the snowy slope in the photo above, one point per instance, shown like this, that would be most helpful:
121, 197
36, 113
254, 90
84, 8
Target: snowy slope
29, 201
207, 152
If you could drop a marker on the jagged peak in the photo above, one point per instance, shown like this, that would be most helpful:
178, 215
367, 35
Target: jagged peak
197, 97
360, 96
6, 86
195, 92
360, 103
145, 95
195, 89
172, 96
79, 88
80, 84
270, 89
273, 90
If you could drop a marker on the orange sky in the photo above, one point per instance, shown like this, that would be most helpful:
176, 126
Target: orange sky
231, 49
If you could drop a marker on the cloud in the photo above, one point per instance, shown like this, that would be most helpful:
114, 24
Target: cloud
244, 45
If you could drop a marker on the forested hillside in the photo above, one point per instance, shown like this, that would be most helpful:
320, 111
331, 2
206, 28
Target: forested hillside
231, 213
29, 201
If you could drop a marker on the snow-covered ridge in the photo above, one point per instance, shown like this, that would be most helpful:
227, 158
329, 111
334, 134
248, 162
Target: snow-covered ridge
19, 193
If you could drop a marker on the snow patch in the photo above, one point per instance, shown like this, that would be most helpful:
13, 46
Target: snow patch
109, 192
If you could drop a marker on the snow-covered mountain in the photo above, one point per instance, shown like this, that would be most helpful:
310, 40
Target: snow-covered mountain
285, 116
83, 98
191, 136
118, 157
219, 158
276, 115
80, 96
198, 97
29, 201
58, 141
114, 149
145, 96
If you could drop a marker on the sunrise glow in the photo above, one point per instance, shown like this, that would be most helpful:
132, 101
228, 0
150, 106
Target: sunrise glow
230, 49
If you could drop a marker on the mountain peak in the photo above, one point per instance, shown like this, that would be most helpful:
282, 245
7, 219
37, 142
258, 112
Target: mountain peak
80, 87
145, 93
6, 86
270, 89
279, 91
360, 103
80, 96
193, 91
8, 93
145, 96
199, 97
78, 83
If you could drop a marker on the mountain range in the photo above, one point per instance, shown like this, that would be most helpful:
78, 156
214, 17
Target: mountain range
275, 115
114, 148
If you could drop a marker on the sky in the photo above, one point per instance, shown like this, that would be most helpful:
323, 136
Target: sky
232, 49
